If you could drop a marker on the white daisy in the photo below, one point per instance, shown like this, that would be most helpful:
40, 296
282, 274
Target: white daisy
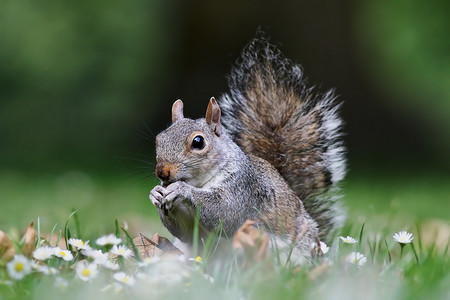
109, 239
323, 248
148, 261
52, 271
141, 276
46, 270
5, 282
124, 278
79, 244
19, 267
86, 271
348, 240
197, 259
35, 264
356, 258
403, 237
97, 255
43, 253
116, 287
208, 277
64, 254
109, 265
121, 251
61, 283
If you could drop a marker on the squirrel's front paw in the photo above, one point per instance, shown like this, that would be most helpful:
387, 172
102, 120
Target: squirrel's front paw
157, 195
174, 193
165, 197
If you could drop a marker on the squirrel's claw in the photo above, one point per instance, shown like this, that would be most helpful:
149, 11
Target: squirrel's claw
156, 196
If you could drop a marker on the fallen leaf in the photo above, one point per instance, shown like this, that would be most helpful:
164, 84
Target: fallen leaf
319, 271
51, 240
251, 242
29, 240
156, 246
436, 233
7, 251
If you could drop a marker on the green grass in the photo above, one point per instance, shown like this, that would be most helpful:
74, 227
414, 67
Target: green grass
99, 199
380, 205
419, 272
421, 196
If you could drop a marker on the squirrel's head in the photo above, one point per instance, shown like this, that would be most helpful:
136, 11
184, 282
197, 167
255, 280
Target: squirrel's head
189, 150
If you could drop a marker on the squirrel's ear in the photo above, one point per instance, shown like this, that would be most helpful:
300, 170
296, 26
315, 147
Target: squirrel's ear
213, 116
177, 110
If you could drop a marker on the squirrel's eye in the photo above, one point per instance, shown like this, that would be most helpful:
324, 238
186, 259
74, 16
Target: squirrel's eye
198, 142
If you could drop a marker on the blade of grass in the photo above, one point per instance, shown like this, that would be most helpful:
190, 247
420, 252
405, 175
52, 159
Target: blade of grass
377, 246
221, 232
415, 253
371, 250
67, 234
230, 271
446, 249
67, 237
388, 252
133, 246
361, 236
59, 237
77, 224
51, 235
116, 222
288, 259
38, 242
336, 250
210, 246
419, 236
195, 233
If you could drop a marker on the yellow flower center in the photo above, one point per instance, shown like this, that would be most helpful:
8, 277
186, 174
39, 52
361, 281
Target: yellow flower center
62, 253
19, 267
86, 272
198, 259
125, 279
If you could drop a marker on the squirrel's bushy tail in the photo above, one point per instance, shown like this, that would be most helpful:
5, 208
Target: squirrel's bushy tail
271, 113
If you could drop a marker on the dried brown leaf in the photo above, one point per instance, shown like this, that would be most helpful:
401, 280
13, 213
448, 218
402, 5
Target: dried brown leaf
251, 242
319, 271
50, 240
436, 233
156, 246
7, 251
29, 240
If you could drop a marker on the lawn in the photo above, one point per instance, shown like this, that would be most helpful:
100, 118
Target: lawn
378, 207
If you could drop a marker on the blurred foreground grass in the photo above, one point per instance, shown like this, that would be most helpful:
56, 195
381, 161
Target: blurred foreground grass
378, 206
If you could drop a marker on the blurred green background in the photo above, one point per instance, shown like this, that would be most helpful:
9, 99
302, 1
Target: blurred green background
85, 86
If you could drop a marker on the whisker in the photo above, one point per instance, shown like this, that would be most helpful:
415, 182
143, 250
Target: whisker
149, 130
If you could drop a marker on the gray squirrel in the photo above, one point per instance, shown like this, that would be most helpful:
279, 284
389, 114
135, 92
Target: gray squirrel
271, 152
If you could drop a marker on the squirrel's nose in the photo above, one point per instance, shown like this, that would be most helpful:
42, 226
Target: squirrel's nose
164, 171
